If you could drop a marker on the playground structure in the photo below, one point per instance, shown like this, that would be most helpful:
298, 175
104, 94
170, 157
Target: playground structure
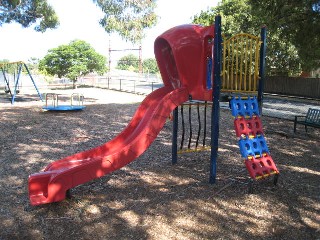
11, 73
53, 103
238, 71
184, 80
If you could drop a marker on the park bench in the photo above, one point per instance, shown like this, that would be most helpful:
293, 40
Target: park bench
312, 119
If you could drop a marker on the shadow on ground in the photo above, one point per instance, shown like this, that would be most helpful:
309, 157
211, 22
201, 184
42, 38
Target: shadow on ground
150, 198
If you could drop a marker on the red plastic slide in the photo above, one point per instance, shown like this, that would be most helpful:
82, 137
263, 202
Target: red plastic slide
51, 184
182, 54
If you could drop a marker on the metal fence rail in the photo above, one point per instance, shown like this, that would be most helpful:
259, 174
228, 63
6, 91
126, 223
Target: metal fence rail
274, 105
279, 106
128, 85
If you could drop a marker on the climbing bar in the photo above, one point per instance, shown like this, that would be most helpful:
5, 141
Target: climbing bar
183, 127
199, 149
261, 167
190, 127
193, 140
199, 126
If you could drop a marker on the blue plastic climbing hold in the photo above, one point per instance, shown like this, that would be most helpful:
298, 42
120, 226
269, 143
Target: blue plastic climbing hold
253, 146
244, 107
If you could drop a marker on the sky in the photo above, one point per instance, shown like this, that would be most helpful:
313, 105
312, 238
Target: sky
79, 19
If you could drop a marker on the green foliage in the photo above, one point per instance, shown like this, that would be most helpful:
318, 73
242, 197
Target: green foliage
241, 16
129, 62
298, 23
128, 18
8, 68
33, 65
29, 12
9, 5
73, 60
150, 66
236, 17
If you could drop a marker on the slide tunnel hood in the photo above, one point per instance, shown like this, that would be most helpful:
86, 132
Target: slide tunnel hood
183, 54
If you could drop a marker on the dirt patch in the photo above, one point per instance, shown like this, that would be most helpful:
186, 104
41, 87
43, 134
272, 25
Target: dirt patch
151, 198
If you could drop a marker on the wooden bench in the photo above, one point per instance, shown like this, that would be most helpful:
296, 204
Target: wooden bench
312, 119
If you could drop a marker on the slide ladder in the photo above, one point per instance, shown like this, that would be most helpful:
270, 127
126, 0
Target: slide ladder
253, 146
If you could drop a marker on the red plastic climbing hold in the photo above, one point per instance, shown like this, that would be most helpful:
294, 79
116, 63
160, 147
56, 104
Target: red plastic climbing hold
248, 127
261, 167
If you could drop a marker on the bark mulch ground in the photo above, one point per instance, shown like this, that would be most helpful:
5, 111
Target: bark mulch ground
151, 198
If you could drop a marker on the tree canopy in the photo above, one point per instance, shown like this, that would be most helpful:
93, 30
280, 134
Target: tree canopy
150, 66
28, 12
298, 23
128, 62
290, 45
73, 60
131, 62
128, 18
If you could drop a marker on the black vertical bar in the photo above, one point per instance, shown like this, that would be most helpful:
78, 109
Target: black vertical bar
263, 49
216, 96
183, 127
199, 123
175, 136
190, 126
205, 124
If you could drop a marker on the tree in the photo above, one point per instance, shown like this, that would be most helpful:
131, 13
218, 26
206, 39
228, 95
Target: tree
128, 17
150, 66
28, 12
128, 62
33, 65
239, 16
9, 5
73, 60
297, 22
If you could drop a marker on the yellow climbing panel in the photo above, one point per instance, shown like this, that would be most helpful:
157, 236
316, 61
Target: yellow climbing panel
240, 68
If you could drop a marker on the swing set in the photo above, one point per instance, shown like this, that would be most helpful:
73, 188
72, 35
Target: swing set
11, 74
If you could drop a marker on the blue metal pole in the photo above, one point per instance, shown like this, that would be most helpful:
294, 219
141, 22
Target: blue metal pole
175, 136
34, 83
263, 49
216, 95
16, 83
